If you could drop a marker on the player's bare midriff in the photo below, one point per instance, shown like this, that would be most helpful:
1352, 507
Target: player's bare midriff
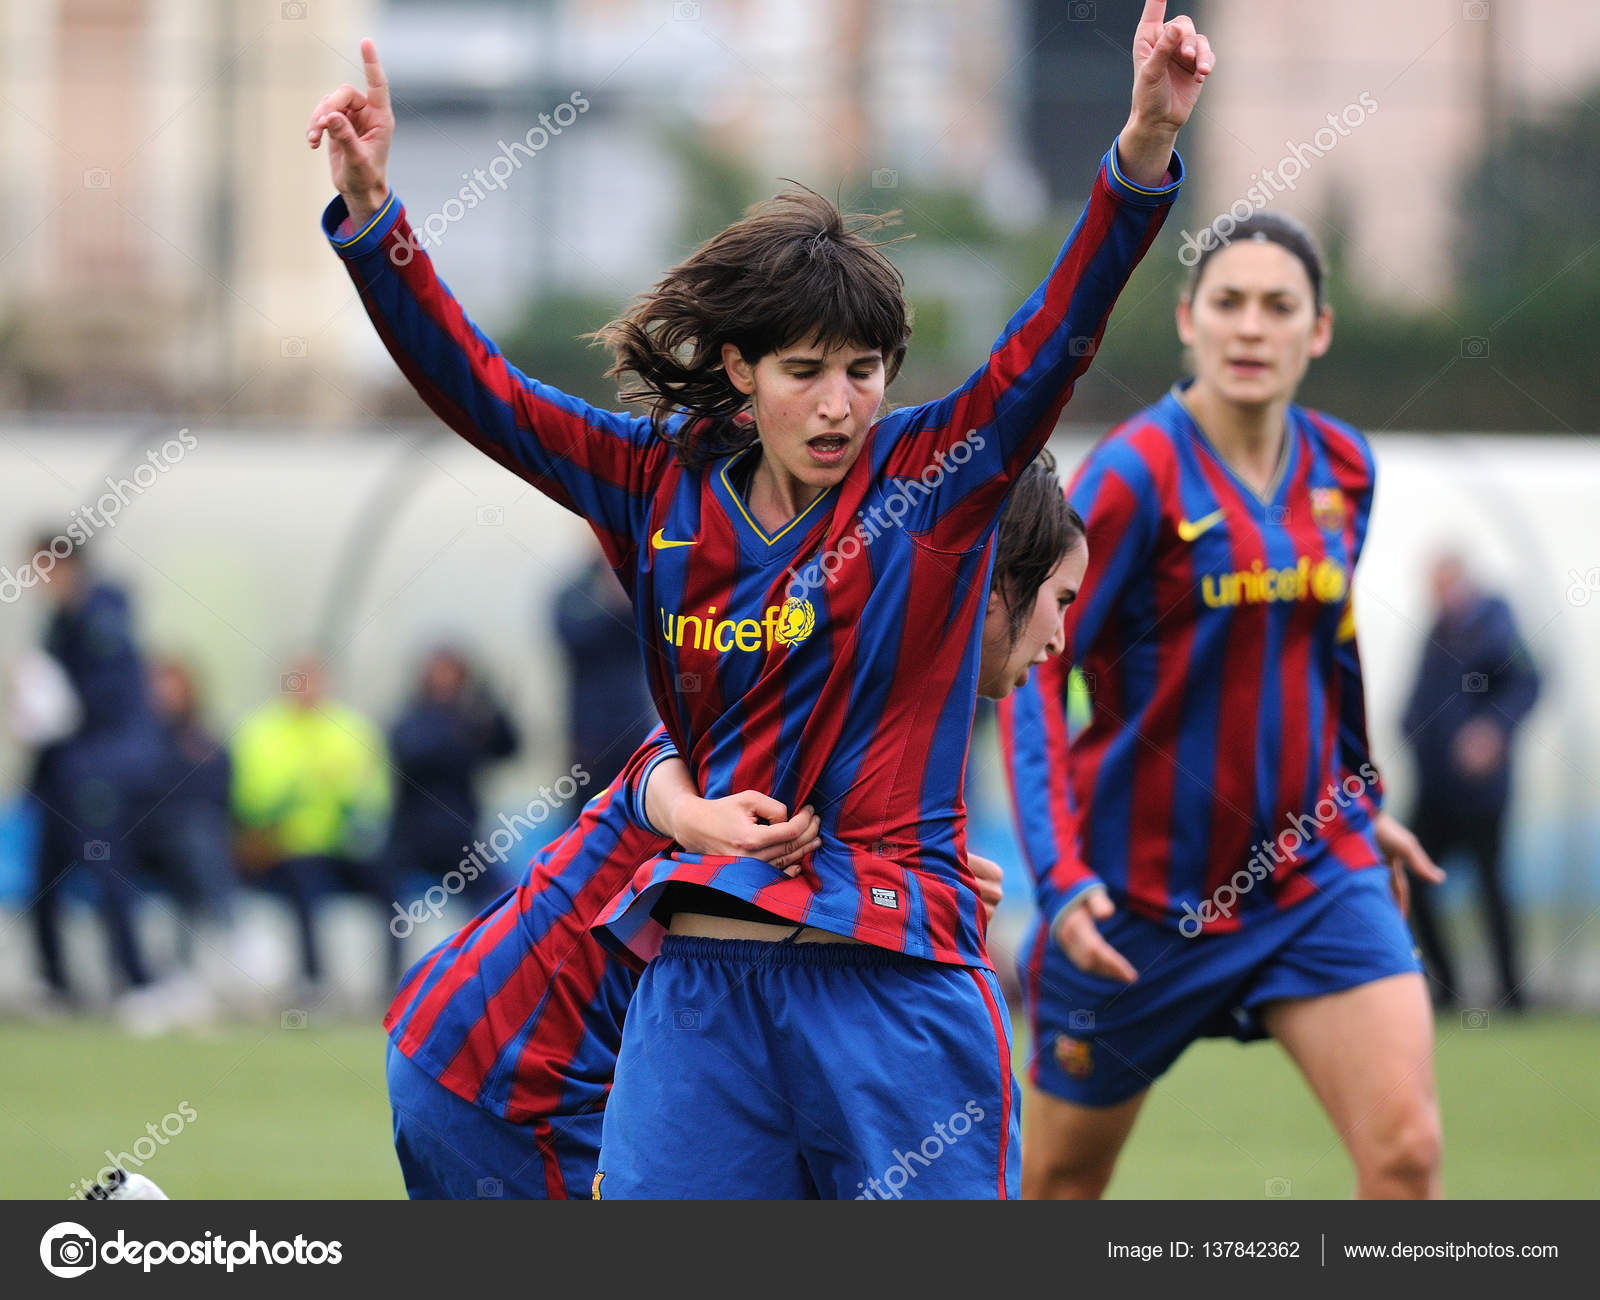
699, 925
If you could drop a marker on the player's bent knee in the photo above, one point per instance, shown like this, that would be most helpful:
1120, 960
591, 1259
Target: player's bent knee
1416, 1152
1054, 1186
1066, 1173
1069, 1151
1408, 1158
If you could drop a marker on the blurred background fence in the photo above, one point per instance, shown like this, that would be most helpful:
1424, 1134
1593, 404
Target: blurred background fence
375, 547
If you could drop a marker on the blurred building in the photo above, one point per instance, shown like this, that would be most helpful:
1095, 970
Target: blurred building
844, 95
161, 251
1076, 76
160, 247
1440, 77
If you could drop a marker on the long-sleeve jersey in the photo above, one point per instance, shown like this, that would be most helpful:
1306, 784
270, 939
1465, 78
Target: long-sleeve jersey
1216, 635
521, 1011
834, 661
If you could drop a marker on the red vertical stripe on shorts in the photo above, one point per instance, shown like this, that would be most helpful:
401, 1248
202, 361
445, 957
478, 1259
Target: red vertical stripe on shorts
1035, 980
1004, 1044
554, 1186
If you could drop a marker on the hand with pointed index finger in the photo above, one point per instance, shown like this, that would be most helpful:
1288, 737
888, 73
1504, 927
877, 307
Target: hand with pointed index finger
360, 128
1171, 61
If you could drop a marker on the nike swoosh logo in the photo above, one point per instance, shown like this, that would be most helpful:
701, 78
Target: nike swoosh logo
660, 543
1189, 529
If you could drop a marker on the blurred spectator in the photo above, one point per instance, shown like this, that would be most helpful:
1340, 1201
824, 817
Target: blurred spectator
185, 838
451, 729
608, 705
1474, 686
93, 771
311, 792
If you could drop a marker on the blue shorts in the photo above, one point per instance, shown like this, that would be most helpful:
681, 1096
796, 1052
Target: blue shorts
1098, 1042
451, 1150
804, 1070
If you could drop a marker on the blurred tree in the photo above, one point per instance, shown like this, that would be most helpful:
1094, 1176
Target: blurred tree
717, 187
1510, 352
547, 342
1530, 256
1534, 202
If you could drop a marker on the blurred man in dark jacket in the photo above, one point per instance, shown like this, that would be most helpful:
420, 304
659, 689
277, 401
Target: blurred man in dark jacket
608, 703
449, 732
93, 783
1474, 686
186, 837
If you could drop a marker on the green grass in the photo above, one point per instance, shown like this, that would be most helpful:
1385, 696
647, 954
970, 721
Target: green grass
1520, 1101
303, 1113
279, 1113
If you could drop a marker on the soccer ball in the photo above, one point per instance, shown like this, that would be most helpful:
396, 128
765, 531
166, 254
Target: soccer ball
120, 1185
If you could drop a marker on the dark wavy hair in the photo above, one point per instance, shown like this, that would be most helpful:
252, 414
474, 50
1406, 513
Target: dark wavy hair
1269, 228
1037, 529
794, 268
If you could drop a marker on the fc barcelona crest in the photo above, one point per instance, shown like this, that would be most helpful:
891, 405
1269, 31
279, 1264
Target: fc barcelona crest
1073, 1056
1327, 508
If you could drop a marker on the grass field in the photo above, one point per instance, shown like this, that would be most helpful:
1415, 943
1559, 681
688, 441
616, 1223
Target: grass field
289, 1113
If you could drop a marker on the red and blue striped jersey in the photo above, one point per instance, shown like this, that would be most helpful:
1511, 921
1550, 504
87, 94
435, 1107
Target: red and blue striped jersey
521, 1011
834, 661
1224, 770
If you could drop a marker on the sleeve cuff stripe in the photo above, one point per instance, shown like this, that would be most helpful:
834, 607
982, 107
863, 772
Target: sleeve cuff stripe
1139, 189
643, 779
377, 217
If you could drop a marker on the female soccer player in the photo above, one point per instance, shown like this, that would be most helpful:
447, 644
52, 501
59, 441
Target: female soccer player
503, 1039
1210, 857
808, 582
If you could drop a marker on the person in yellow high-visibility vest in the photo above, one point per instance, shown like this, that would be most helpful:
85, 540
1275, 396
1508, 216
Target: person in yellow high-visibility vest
311, 793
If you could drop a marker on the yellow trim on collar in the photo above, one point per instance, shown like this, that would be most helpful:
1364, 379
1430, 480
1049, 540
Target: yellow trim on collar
757, 527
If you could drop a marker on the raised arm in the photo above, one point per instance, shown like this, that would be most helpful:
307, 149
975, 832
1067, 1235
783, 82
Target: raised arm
598, 464
977, 439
